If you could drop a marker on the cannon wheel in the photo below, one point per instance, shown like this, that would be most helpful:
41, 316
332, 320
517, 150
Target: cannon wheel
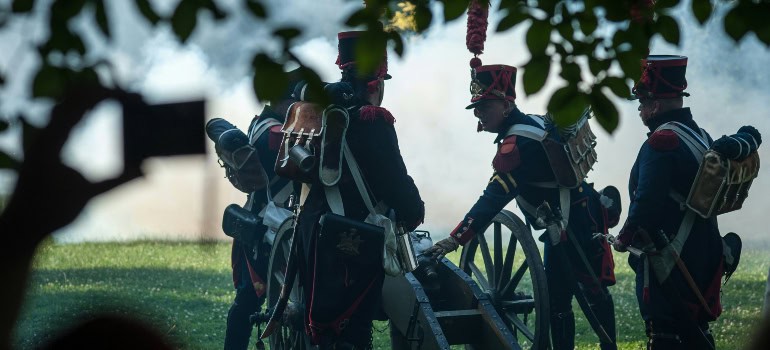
521, 299
286, 337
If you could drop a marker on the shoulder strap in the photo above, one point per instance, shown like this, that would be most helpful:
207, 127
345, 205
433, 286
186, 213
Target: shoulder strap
694, 142
260, 129
529, 131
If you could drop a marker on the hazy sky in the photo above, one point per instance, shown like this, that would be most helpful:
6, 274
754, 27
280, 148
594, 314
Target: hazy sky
449, 161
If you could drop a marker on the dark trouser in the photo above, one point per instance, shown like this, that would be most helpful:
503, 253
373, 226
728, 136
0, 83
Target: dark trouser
560, 272
239, 328
664, 335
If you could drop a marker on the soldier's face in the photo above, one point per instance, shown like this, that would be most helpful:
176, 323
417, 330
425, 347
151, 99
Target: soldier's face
647, 109
491, 114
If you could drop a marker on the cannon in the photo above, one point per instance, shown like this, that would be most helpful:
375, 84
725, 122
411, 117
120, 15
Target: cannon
496, 298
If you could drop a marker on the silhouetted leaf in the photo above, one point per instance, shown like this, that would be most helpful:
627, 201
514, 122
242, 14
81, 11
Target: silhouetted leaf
566, 30
360, 17
101, 18
49, 82
588, 23
287, 34
630, 63
270, 81
513, 18
314, 86
618, 86
398, 42
211, 5
571, 72
567, 105
597, 65
538, 37
453, 9
702, 10
604, 111
29, 134
184, 19
256, 8
2, 79
8, 162
370, 50
536, 73
145, 8
22, 6
735, 27
64, 10
669, 29
422, 17
4, 125
763, 34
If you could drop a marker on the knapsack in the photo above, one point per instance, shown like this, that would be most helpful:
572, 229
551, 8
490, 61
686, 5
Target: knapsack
237, 154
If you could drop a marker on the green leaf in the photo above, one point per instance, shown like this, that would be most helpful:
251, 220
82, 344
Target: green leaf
256, 8
618, 86
453, 9
571, 72
398, 42
538, 37
270, 81
604, 111
315, 86
567, 105
360, 17
8, 162
184, 19
423, 16
101, 18
566, 30
145, 8
536, 73
588, 23
702, 10
370, 50
49, 82
631, 64
597, 65
22, 6
287, 34
211, 5
512, 19
735, 27
669, 29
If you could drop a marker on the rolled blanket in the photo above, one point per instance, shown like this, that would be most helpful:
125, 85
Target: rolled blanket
739, 145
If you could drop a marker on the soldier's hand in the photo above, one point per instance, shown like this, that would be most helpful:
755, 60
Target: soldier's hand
619, 246
443, 247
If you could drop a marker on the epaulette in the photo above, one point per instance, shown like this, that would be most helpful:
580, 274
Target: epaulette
507, 158
372, 113
663, 140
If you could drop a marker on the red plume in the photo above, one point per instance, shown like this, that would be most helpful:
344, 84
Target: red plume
478, 11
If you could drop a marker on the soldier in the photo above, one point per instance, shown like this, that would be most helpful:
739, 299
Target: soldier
249, 256
342, 297
677, 302
522, 172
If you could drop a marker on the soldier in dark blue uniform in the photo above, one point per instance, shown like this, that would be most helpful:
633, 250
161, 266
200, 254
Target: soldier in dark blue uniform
343, 298
664, 171
249, 259
522, 171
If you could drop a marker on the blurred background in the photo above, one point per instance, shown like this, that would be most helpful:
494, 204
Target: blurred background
183, 197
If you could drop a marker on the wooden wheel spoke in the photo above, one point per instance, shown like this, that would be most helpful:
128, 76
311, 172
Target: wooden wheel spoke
519, 325
510, 287
488, 264
480, 276
510, 254
498, 253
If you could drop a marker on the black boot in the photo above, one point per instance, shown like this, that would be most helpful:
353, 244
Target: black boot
563, 330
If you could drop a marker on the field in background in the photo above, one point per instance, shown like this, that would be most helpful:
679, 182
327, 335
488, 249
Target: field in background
185, 290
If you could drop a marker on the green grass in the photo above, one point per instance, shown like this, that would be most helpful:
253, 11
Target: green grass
185, 290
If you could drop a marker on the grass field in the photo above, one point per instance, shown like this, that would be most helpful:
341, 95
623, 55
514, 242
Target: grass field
185, 290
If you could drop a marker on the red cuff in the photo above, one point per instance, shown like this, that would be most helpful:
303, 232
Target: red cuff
463, 233
626, 235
